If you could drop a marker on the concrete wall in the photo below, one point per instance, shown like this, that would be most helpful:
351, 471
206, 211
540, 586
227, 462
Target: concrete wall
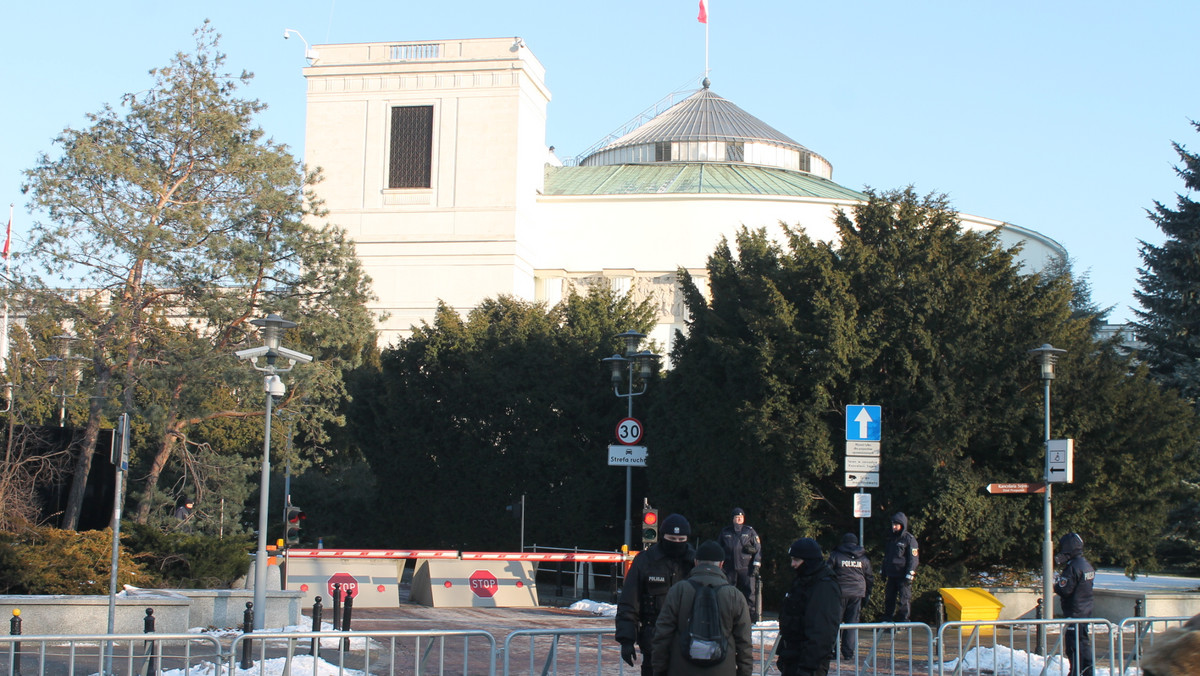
175, 611
59, 614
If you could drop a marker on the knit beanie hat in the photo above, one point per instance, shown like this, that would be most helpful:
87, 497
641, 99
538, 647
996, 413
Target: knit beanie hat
805, 548
710, 551
676, 525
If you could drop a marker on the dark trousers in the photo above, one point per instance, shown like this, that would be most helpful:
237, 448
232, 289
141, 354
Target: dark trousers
850, 610
1077, 644
645, 639
897, 599
745, 583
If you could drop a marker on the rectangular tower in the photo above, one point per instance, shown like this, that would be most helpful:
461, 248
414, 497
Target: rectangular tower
433, 154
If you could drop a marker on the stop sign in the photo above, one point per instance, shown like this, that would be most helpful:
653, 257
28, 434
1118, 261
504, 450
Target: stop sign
483, 584
349, 584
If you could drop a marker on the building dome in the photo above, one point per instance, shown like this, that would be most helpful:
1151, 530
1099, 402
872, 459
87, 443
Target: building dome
705, 127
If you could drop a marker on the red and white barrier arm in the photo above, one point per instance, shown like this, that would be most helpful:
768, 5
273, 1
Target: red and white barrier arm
595, 557
374, 553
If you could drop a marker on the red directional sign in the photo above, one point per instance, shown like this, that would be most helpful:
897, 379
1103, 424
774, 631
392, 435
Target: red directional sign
483, 584
349, 584
1016, 488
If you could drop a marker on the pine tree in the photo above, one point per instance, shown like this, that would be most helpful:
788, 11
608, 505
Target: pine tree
1169, 327
163, 227
1169, 324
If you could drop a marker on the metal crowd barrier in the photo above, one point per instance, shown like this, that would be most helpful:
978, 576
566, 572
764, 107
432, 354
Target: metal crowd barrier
914, 649
1001, 645
413, 652
1142, 630
128, 654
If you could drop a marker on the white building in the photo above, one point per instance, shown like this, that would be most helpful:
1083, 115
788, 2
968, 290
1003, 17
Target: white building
435, 162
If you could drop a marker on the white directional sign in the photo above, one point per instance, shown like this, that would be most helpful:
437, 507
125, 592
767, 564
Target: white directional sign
863, 423
864, 479
630, 456
858, 464
1062, 460
862, 448
862, 505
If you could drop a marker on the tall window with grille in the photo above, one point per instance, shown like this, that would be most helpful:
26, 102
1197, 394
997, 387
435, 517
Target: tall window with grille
410, 158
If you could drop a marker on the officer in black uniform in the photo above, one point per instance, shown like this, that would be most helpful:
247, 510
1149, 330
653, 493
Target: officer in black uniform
650, 577
1074, 589
900, 561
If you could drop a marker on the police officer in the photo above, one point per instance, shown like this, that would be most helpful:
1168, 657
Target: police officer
808, 617
853, 569
1074, 589
650, 577
900, 560
743, 557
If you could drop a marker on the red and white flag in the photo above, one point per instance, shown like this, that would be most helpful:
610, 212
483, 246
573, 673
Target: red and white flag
703, 16
8, 236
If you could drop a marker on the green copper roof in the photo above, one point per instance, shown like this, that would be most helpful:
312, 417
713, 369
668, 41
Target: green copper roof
696, 179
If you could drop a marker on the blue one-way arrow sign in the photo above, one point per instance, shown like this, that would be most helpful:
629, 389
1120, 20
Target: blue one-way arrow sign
862, 423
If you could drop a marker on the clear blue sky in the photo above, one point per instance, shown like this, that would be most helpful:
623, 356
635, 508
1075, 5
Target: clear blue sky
1055, 116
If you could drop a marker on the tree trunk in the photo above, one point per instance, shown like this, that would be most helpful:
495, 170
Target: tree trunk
83, 464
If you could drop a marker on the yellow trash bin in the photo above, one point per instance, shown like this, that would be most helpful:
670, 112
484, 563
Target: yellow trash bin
971, 605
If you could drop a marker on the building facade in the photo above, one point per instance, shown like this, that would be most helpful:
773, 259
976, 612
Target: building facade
435, 162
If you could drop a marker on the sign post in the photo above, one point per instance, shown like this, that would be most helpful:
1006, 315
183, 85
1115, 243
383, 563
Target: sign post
864, 433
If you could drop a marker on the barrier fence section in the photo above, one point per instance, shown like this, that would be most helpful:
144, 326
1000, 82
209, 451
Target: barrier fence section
110, 654
1002, 645
414, 652
1136, 634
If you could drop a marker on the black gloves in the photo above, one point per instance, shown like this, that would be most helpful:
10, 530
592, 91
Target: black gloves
628, 653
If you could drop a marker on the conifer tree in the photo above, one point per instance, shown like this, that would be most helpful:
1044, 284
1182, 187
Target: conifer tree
163, 227
933, 323
1169, 284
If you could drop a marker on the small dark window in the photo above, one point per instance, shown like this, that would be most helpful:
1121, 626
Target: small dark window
735, 151
662, 151
411, 156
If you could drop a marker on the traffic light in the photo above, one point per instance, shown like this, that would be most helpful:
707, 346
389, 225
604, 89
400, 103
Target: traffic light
649, 526
292, 518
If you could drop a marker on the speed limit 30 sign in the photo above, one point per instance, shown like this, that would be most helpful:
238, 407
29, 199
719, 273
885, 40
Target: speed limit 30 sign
629, 431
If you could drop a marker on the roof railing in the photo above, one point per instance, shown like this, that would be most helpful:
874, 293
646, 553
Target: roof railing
663, 104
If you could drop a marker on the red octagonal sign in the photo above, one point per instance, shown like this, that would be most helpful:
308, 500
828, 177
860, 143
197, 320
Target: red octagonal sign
483, 584
349, 584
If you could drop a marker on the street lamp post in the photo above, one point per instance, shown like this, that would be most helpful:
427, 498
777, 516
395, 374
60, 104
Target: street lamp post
624, 368
1045, 356
272, 328
65, 366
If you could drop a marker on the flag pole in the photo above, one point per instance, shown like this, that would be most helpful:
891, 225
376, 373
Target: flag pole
703, 18
4, 319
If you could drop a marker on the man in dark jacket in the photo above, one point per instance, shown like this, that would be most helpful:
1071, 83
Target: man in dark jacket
1074, 589
743, 556
808, 617
676, 612
650, 577
900, 560
853, 569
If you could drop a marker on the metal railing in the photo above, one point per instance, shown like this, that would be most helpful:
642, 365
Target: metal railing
996, 646
1140, 633
414, 652
1002, 645
110, 654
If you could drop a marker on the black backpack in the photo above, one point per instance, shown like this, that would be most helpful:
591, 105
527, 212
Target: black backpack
704, 641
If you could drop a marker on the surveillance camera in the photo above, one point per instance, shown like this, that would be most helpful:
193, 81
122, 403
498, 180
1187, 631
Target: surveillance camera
273, 385
285, 33
294, 355
251, 353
